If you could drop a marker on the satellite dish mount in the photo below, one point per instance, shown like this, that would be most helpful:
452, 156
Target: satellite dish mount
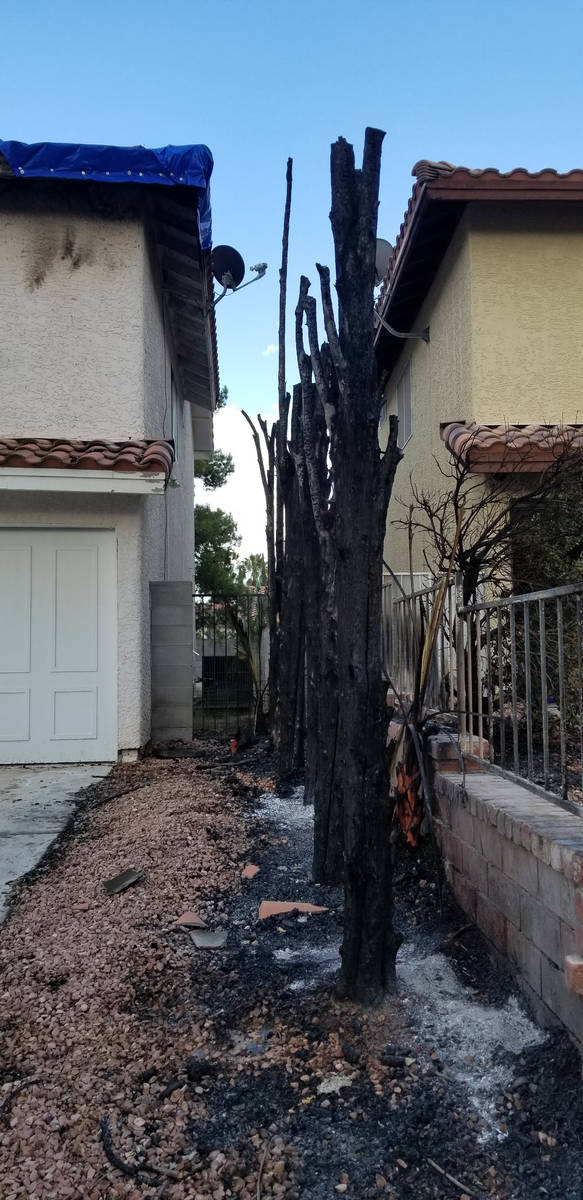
229, 271
384, 254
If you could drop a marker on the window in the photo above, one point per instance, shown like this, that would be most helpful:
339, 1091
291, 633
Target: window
404, 406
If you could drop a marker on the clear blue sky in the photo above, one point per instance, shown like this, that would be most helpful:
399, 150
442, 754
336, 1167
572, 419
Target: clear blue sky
496, 84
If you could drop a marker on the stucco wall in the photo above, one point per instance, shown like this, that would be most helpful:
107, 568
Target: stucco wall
124, 514
527, 299
72, 322
169, 544
440, 387
85, 352
504, 314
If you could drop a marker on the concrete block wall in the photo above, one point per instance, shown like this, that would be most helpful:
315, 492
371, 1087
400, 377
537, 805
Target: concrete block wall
515, 863
172, 634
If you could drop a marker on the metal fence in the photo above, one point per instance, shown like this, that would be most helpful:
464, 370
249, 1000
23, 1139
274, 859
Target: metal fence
406, 616
520, 693
231, 662
510, 669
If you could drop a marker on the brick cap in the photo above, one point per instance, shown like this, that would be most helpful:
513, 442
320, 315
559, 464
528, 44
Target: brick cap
574, 973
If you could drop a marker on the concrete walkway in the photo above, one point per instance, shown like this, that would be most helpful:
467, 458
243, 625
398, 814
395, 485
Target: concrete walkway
35, 805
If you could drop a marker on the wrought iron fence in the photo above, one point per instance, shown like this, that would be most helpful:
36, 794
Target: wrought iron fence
520, 693
510, 668
231, 662
406, 616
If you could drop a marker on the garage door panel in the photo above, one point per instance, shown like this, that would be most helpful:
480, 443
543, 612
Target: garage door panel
74, 626
15, 715
74, 714
15, 577
58, 645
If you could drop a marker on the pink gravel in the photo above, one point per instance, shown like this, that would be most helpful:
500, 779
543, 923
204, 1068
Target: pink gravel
94, 988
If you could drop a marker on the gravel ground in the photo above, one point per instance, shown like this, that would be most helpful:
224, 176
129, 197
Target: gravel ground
236, 1072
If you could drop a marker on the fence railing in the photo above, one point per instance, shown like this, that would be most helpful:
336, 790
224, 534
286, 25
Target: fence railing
231, 661
510, 668
406, 616
520, 693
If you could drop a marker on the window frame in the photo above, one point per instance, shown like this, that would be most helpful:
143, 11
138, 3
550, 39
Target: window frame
402, 441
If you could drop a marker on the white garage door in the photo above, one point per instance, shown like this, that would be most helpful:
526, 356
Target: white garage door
58, 646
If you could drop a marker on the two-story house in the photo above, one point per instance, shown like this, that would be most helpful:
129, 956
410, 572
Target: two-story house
487, 280
108, 378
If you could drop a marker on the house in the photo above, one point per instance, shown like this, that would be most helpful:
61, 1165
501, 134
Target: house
108, 379
486, 284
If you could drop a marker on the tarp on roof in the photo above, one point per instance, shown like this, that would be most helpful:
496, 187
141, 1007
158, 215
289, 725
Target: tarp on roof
169, 166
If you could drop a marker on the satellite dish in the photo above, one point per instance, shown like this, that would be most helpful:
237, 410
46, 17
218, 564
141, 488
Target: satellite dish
384, 253
228, 266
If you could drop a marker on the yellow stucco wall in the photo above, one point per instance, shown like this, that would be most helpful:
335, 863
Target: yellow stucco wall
504, 313
527, 301
440, 387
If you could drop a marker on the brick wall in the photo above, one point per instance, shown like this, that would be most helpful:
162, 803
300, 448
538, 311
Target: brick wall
515, 863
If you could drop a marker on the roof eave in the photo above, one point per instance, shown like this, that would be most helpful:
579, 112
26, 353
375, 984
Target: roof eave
187, 283
451, 191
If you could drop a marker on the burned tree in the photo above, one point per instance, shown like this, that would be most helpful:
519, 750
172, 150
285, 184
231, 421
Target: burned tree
284, 553
353, 518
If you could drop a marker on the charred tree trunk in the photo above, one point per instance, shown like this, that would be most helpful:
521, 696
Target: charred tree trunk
267, 473
351, 520
363, 481
311, 441
289, 575
291, 634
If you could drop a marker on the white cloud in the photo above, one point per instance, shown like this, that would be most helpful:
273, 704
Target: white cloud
271, 349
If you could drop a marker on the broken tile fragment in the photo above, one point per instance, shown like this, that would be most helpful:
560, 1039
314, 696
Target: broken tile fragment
119, 883
250, 871
191, 920
333, 1083
274, 908
209, 939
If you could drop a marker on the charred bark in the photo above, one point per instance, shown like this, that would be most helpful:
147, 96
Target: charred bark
291, 632
350, 520
312, 462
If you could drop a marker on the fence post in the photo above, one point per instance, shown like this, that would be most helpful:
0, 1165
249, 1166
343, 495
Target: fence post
459, 654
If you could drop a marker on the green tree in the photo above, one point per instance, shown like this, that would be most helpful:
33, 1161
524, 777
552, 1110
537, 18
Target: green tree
252, 572
215, 556
214, 471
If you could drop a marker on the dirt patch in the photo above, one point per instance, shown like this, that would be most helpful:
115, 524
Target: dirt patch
237, 1070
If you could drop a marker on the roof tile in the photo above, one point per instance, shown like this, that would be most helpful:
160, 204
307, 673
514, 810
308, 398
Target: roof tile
454, 180
155, 456
509, 448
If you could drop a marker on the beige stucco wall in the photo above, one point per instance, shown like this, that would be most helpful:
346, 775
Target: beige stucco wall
440, 388
169, 545
527, 300
72, 325
85, 352
504, 315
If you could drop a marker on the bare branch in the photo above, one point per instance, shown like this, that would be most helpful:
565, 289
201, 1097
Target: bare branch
330, 323
320, 375
283, 287
258, 451
304, 363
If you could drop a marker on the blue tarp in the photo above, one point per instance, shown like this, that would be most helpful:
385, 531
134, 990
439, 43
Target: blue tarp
170, 166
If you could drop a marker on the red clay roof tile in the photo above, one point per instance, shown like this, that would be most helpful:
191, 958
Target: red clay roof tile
154, 456
509, 448
444, 181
